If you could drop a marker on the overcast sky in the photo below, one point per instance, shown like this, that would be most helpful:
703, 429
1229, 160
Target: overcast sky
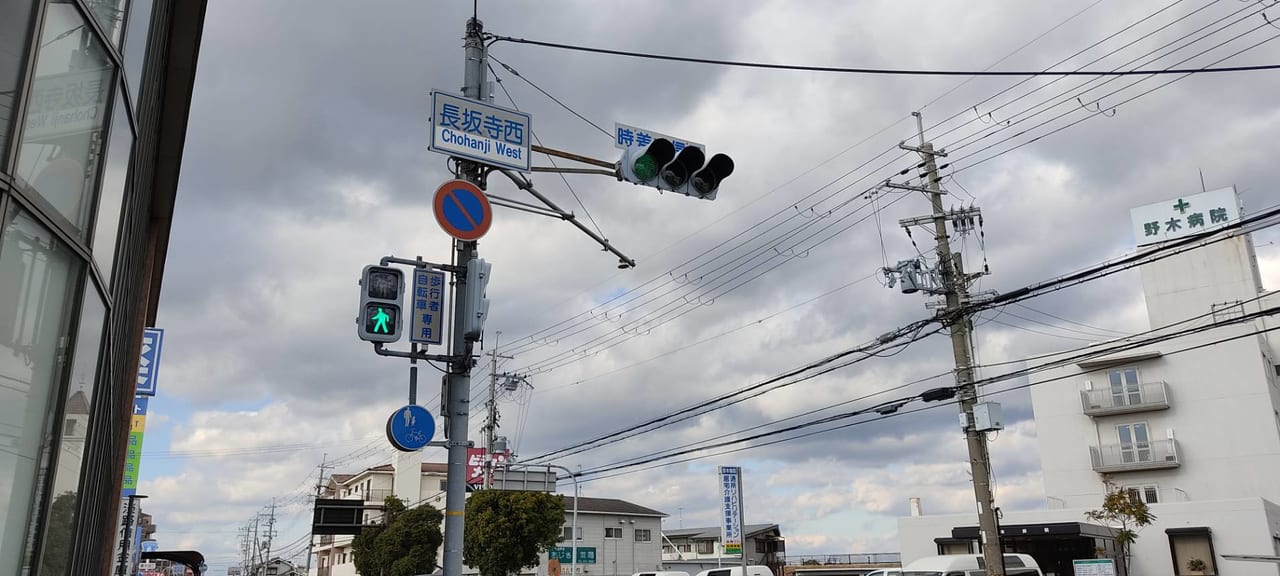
307, 158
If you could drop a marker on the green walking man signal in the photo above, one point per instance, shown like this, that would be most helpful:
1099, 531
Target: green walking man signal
381, 295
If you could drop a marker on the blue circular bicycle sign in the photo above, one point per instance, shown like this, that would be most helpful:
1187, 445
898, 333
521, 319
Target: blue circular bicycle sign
410, 428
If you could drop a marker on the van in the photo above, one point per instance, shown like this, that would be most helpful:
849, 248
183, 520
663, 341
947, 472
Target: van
661, 573
886, 572
737, 571
970, 565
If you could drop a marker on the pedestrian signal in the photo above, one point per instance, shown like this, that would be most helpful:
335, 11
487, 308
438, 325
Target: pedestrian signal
381, 293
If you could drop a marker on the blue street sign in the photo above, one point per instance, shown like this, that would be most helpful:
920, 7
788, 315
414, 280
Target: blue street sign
462, 210
410, 428
149, 363
426, 309
150, 546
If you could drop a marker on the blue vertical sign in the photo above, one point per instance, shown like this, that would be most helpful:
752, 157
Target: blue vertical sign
427, 309
149, 362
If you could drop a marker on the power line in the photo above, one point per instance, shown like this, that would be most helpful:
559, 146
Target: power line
882, 71
498, 79
548, 95
894, 405
913, 331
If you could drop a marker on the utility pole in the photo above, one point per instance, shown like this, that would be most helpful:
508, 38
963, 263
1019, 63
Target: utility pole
491, 426
954, 286
311, 538
458, 382
271, 524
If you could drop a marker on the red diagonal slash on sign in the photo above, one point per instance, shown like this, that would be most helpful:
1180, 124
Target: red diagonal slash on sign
463, 209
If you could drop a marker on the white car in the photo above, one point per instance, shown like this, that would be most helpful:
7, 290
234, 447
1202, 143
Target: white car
886, 572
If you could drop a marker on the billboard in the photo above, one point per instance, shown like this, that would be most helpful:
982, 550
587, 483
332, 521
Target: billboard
731, 509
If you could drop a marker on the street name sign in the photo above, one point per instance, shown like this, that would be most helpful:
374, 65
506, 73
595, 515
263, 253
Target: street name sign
480, 131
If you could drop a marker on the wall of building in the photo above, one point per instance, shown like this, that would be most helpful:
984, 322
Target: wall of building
1239, 526
614, 556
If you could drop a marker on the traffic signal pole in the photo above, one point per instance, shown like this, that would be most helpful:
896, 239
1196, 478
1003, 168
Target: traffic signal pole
955, 284
459, 377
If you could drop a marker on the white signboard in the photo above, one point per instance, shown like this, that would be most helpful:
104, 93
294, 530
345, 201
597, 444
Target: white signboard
731, 510
1184, 216
1099, 567
480, 131
427, 315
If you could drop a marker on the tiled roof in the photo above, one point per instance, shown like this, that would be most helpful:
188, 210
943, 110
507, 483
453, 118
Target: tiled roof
610, 506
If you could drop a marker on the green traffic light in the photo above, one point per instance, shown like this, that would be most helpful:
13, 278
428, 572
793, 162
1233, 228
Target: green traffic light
646, 167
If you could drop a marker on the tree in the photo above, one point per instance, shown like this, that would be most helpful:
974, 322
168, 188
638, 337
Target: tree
57, 547
1126, 508
405, 544
506, 531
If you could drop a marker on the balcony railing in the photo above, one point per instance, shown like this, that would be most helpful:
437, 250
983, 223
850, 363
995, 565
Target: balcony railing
326, 539
377, 495
1149, 396
1154, 455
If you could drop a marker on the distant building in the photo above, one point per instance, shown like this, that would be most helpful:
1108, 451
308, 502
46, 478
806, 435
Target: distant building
615, 537
1190, 425
373, 485
695, 549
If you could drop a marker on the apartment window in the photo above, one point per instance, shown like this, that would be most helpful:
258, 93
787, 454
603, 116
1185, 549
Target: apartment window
1125, 388
686, 548
1135, 442
643, 535
69, 427
444, 485
568, 533
1149, 493
613, 533
706, 547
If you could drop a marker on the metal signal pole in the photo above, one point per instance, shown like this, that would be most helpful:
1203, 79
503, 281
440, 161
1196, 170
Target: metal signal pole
956, 286
458, 386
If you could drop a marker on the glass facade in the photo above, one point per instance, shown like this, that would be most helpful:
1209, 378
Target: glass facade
75, 230
66, 113
38, 274
14, 32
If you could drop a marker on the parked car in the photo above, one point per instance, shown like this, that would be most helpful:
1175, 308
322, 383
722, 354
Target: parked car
886, 572
737, 571
970, 565
661, 573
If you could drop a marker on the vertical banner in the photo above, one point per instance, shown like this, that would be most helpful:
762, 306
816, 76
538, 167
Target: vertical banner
149, 361
133, 451
731, 516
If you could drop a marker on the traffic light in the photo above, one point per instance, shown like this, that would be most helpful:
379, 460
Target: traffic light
684, 171
381, 293
477, 303
643, 166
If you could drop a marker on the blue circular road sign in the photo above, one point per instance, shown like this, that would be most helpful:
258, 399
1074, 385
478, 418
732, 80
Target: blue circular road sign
462, 210
410, 428
150, 546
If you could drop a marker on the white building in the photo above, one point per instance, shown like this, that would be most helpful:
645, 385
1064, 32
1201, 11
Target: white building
615, 537
1194, 431
373, 485
693, 550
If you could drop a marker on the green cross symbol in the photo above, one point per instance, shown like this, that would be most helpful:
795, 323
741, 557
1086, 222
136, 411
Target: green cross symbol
1182, 206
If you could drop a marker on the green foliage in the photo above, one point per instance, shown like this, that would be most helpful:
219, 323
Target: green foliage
506, 531
405, 544
57, 546
1125, 508
811, 562
1196, 565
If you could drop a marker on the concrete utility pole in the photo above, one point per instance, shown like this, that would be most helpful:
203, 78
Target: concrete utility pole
458, 384
491, 426
271, 524
311, 539
956, 287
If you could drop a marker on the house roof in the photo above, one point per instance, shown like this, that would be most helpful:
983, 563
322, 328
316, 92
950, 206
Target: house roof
713, 532
609, 506
78, 403
342, 478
